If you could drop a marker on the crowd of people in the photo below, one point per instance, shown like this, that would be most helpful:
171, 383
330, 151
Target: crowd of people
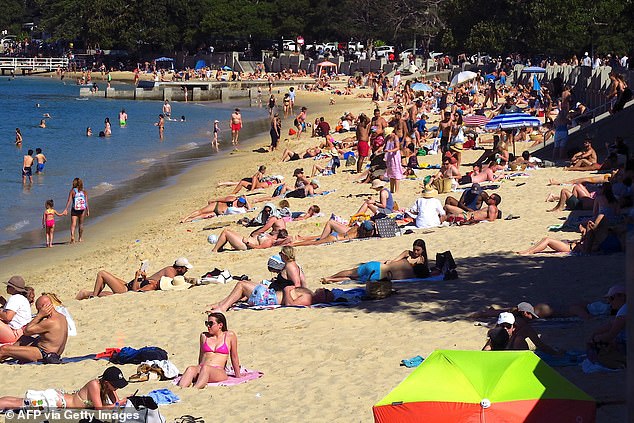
389, 142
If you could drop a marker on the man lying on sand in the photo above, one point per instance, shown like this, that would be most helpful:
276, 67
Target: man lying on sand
140, 282
490, 212
44, 337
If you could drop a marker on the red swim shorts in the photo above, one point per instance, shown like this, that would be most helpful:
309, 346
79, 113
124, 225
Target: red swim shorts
364, 148
236, 126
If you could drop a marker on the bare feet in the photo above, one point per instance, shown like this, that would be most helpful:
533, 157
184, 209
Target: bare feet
551, 198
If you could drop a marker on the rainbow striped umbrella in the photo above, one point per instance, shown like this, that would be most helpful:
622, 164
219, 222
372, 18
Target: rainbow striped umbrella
475, 120
485, 386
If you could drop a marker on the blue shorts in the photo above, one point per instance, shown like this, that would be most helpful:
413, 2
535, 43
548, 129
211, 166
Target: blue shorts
370, 271
40, 167
262, 296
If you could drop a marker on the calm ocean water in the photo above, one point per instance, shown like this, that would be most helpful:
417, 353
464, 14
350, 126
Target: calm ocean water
130, 162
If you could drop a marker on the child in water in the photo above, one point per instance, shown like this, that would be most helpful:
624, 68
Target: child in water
48, 221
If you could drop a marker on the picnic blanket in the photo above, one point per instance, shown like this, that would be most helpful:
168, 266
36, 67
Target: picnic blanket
247, 375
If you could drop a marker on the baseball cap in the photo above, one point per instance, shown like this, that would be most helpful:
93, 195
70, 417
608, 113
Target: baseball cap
115, 377
527, 307
182, 262
506, 317
242, 200
276, 263
614, 289
17, 283
476, 188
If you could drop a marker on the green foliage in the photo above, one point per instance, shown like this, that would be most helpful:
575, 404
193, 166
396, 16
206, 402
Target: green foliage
558, 27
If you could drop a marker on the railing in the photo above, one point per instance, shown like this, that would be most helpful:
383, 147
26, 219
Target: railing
33, 63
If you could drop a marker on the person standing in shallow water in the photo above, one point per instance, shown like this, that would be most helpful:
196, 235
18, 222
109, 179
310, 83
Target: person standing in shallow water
27, 167
123, 118
18, 137
78, 199
236, 126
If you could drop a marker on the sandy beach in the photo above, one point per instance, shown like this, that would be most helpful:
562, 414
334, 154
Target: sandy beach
319, 365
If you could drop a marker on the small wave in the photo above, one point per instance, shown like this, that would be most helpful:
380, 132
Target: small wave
17, 226
103, 187
81, 98
146, 161
189, 146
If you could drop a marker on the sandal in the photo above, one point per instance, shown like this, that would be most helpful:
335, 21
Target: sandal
139, 377
186, 418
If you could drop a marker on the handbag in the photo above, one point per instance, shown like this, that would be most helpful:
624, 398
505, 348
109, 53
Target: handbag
386, 227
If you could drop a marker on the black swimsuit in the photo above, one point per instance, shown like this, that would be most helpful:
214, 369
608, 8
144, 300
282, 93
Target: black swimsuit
280, 283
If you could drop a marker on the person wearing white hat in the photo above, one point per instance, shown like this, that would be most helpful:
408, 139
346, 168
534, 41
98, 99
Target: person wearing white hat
524, 313
140, 282
428, 211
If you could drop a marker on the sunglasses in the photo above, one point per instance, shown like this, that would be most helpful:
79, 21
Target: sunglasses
506, 325
210, 323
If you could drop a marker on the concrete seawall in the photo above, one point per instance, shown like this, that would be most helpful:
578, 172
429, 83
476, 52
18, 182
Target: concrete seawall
195, 91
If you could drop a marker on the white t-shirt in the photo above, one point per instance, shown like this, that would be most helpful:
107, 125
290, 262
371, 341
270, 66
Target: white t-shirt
428, 212
22, 308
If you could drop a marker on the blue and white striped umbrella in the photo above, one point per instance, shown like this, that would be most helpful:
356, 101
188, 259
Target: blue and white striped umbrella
513, 121
533, 69
419, 86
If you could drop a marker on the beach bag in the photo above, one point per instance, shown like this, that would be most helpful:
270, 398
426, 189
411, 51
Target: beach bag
446, 264
459, 138
129, 355
443, 185
79, 202
386, 227
377, 290
141, 409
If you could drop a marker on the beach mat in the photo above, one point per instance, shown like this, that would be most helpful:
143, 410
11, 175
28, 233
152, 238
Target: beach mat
247, 375
343, 297
65, 360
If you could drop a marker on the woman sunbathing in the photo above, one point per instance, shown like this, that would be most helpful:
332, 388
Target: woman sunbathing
252, 183
219, 206
289, 156
100, 394
259, 241
217, 344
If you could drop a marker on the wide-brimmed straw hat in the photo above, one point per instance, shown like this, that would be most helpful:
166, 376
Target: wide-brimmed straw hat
377, 184
429, 192
456, 147
177, 283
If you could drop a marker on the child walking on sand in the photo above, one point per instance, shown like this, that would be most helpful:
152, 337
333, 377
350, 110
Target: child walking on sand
48, 221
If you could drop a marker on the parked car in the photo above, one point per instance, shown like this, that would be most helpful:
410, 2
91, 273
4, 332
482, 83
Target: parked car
331, 46
405, 53
383, 51
289, 45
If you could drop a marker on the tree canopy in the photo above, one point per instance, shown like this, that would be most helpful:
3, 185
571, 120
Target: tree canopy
556, 27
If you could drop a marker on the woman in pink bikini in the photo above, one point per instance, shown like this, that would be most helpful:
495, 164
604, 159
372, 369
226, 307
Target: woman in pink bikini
216, 345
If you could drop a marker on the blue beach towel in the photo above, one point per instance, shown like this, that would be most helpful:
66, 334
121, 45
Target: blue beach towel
412, 362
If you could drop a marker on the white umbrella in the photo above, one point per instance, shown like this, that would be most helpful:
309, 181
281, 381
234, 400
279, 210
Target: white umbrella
463, 77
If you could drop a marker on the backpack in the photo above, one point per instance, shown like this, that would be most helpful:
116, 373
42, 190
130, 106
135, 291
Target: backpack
79, 202
129, 355
446, 264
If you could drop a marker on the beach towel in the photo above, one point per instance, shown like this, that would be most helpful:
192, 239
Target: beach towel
436, 278
342, 297
247, 375
65, 360
589, 367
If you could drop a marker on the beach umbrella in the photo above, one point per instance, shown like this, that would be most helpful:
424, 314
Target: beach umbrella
326, 64
485, 386
475, 120
463, 77
419, 86
490, 77
226, 68
200, 64
533, 69
512, 121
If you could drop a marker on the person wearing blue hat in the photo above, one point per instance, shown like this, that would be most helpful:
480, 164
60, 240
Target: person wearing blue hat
230, 204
